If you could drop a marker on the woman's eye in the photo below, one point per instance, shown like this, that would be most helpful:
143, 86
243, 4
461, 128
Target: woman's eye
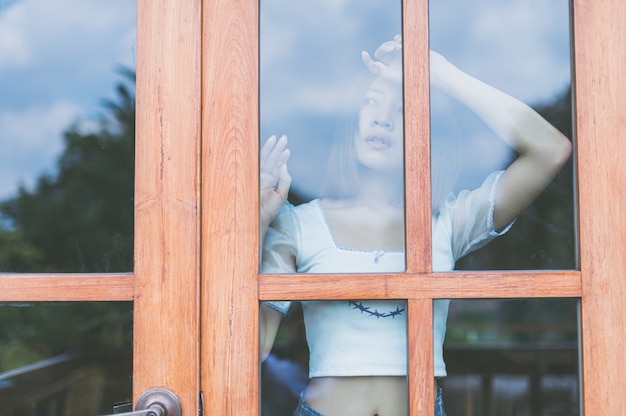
369, 101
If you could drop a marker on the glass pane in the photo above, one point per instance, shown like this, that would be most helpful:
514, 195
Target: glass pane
67, 116
347, 357
512, 357
65, 359
342, 114
500, 70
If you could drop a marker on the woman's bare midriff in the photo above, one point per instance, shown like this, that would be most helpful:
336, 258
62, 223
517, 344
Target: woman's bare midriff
358, 396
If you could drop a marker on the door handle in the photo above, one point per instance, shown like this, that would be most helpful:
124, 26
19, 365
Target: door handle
156, 402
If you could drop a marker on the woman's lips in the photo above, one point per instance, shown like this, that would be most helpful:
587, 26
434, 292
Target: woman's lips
378, 142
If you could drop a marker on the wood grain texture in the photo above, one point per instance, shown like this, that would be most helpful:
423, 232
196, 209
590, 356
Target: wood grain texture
68, 287
405, 286
417, 136
230, 207
166, 350
420, 357
600, 59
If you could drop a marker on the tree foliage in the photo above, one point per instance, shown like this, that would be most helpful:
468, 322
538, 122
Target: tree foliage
81, 218
78, 220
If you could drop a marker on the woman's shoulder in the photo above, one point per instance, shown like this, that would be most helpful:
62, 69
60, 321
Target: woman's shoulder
335, 204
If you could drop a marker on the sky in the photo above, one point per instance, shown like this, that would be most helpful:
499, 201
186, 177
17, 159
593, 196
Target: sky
58, 61
311, 53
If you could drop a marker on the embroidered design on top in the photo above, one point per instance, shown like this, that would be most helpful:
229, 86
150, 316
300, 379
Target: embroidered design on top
378, 254
368, 310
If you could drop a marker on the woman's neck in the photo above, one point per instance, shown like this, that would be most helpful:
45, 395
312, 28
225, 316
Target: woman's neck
379, 191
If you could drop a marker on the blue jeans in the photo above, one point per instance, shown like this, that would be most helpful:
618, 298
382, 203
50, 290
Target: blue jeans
304, 409
439, 403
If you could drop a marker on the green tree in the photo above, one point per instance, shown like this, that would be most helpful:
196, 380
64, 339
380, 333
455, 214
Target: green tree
77, 220
81, 219
543, 236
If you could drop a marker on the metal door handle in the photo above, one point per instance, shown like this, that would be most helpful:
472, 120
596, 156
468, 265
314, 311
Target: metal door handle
156, 402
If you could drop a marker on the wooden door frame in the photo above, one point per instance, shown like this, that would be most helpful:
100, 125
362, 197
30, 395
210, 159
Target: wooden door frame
164, 284
229, 268
167, 200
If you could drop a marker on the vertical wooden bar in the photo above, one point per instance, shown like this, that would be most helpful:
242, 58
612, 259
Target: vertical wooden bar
417, 135
418, 205
600, 59
230, 262
420, 350
166, 199
418, 201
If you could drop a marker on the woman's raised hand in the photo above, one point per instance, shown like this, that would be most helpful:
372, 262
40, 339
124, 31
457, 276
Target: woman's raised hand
274, 178
388, 61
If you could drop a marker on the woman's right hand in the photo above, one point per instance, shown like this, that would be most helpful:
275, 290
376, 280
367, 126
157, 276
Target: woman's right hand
388, 62
274, 179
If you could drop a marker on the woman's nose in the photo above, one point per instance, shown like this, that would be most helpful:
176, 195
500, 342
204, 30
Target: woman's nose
383, 122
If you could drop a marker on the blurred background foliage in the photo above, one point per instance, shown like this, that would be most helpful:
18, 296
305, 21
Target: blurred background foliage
79, 219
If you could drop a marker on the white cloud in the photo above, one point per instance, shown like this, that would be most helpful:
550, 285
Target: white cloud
30, 140
57, 62
310, 54
14, 51
38, 32
521, 47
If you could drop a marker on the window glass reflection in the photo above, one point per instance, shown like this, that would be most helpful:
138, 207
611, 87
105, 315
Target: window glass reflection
67, 119
520, 49
332, 197
512, 357
65, 359
327, 354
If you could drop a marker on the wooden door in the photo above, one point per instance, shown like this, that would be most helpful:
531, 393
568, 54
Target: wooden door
165, 281
196, 285
232, 286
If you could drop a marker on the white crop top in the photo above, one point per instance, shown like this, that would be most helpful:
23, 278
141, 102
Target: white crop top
366, 337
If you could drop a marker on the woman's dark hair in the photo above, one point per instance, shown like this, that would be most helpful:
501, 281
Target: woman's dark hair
342, 172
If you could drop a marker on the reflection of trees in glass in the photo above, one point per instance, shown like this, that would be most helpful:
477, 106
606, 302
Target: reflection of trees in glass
530, 341
543, 236
513, 322
93, 337
81, 219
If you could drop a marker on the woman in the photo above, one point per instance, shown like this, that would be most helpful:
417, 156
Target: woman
358, 348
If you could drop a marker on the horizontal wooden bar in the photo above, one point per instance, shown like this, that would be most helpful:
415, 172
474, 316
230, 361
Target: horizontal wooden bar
66, 287
454, 285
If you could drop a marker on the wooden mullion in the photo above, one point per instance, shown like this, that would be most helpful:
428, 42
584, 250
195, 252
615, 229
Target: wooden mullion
599, 62
420, 357
167, 220
453, 285
418, 219
230, 264
66, 287
418, 215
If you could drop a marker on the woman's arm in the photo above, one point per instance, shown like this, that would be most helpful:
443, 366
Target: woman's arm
274, 185
269, 321
542, 149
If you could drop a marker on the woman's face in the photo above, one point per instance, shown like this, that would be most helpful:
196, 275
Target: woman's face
380, 139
